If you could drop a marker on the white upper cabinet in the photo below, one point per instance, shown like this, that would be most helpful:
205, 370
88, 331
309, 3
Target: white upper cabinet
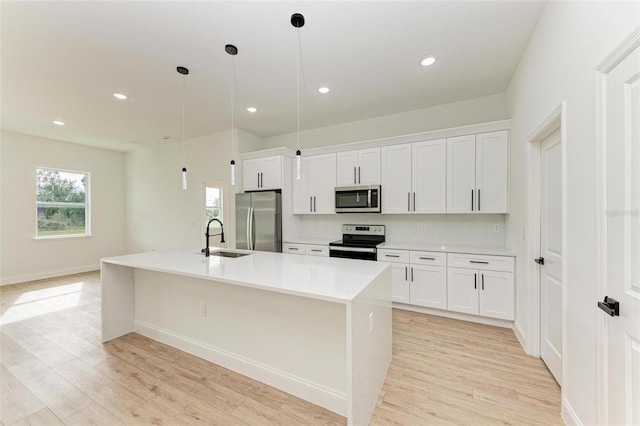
262, 173
361, 167
414, 177
314, 192
478, 173
429, 176
396, 179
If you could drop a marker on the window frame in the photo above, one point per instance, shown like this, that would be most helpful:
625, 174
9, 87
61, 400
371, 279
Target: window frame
87, 205
223, 210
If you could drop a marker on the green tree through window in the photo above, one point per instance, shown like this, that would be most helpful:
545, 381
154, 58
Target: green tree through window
61, 200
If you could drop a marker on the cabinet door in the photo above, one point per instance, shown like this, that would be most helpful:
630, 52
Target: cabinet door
368, 172
302, 191
496, 294
316, 250
293, 248
396, 178
271, 177
429, 177
400, 282
324, 171
429, 286
492, 172
462, 290
346, 168
251, 174
461, 174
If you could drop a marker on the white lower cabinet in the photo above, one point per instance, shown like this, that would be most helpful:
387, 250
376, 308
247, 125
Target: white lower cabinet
417, 282
483, 285
306, 249
471, 284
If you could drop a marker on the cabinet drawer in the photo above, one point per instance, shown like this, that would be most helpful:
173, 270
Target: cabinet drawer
293, 248
316, 250
428, 258
395, 256
488, 263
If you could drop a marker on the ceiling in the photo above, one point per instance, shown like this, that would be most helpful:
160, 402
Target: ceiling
63, 60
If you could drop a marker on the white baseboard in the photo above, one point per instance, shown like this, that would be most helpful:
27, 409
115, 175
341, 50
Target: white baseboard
48, 274
454, 315
568, 415
324, 397
520, 335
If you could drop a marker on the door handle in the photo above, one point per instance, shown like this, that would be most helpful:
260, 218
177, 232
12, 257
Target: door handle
610, 306
539, 260
472, 200
359, 181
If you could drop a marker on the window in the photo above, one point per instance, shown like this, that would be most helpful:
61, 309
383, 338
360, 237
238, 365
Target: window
213, 204
62, 200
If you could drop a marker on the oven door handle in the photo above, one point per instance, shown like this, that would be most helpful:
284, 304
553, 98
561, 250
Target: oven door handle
354, 249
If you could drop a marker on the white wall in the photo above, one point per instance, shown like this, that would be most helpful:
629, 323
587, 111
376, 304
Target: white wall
571, 39
163, 216
456, 114
24, 258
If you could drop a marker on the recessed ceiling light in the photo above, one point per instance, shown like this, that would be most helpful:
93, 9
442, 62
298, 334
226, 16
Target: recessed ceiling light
252, 109
58, 122
323, 90
120, 96
429, 60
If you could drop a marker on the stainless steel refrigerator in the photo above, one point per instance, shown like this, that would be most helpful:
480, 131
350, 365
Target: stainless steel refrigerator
259, 221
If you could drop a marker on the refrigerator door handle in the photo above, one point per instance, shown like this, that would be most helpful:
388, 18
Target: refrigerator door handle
253, 228
248, 233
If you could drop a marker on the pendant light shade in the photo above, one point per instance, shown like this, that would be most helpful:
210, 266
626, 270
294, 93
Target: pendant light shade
297, 21
184, 72
232, 51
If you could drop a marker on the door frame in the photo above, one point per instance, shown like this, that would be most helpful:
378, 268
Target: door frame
555, 120
616, 56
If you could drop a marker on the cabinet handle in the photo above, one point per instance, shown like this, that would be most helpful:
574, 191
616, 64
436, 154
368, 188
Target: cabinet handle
258, 179
359, 181
475, 281
391, 255
293, 248
478, 200
478, 261
408, 201
482, 281
354, 175
316, 250
405, 273
414, 201
412, 274
311, 204
472, 200
314, 204
427, 258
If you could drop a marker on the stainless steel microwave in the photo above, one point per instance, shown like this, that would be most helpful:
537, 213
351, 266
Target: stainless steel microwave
358, 199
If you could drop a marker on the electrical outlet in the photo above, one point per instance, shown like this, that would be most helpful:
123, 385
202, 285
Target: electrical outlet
203, 309
370, 322
423, 226
496, 227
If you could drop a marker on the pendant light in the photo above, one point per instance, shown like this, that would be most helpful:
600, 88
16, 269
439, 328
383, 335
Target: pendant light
184, 72
297, 20
232, 51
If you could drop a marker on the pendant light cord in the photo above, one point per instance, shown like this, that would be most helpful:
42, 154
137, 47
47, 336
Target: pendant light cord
184, 98
234, 84
299, 72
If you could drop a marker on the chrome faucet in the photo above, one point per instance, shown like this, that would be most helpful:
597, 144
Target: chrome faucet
206, 233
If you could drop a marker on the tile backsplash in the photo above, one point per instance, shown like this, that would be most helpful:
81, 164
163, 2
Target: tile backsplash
462, 229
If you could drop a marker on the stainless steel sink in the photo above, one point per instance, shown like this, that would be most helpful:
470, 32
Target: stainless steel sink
228, 254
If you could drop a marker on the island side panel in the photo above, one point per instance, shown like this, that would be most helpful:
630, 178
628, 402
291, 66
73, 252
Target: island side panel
370, 347
117, 286
293, 343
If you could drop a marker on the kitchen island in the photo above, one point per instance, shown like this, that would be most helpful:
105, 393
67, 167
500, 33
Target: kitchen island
318, 328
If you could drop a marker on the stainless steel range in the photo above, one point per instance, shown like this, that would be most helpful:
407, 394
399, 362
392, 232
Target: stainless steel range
358, 242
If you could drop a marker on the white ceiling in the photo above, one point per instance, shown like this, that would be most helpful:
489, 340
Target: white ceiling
64, 60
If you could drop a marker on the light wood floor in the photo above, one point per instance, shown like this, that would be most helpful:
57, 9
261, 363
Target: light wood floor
54, 370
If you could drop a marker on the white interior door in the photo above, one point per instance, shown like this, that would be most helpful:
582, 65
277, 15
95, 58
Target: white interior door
551, 254
621, 236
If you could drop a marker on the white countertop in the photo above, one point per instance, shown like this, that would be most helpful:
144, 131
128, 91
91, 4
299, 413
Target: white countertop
447, 248
325, 278
315, 241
